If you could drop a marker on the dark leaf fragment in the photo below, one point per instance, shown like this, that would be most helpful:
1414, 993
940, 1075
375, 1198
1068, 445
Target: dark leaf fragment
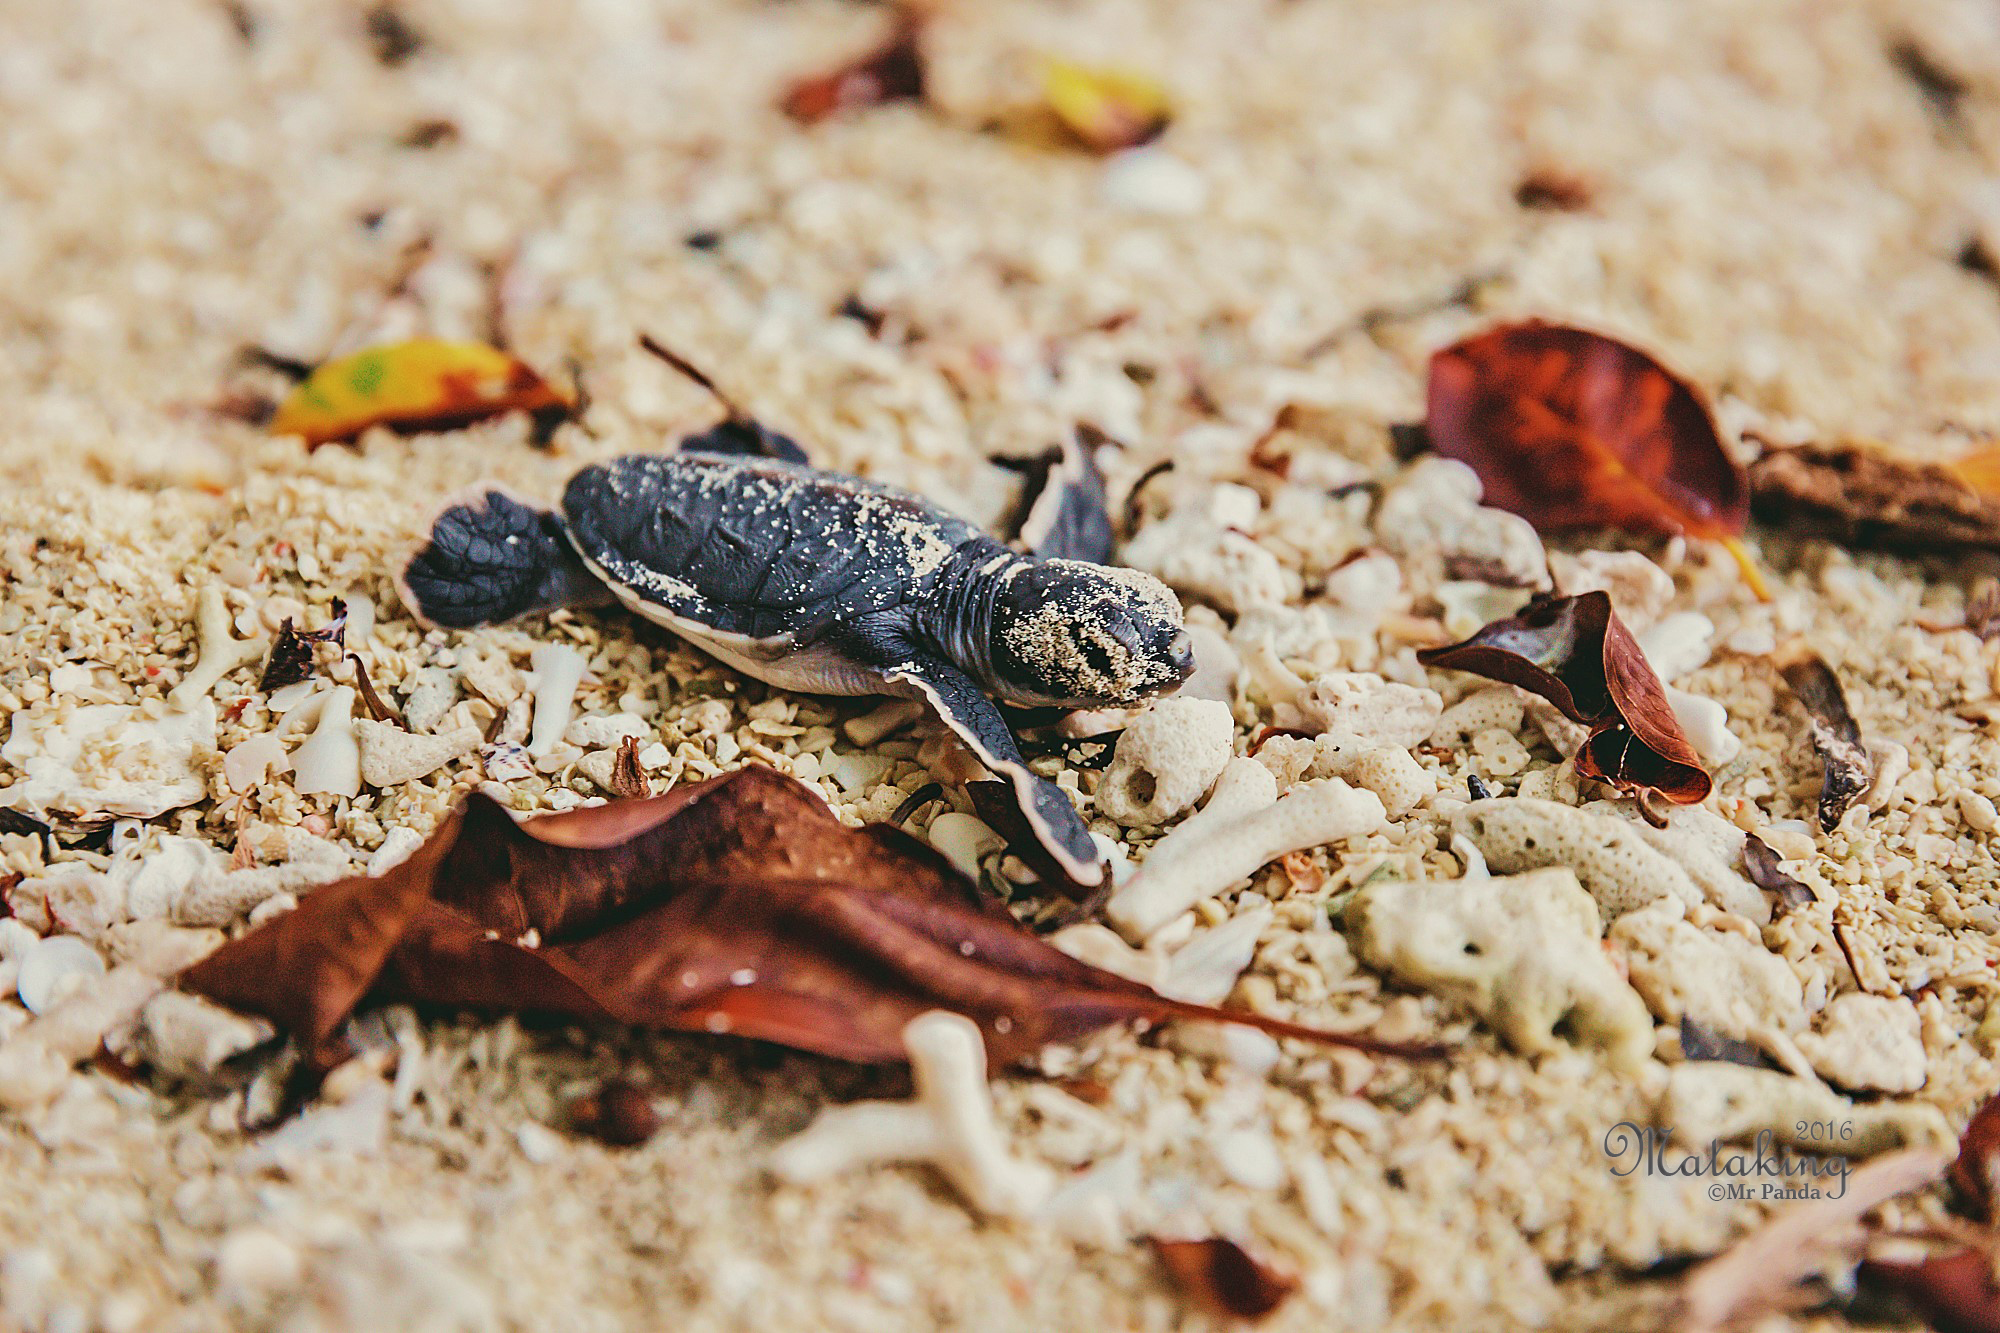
1062, 512
1577, 654
1943, 91
1765, 872
1976, 1173
1549, 189
1865, 497
739, 433
395, 41
738, 905
893, 71
1835, 736
377, 709
1222, 1277
291, 659
1953, 1293
1701, 1042
617, 1112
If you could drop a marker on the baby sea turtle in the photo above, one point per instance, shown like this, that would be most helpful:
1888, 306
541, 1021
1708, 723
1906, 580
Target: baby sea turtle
824, 583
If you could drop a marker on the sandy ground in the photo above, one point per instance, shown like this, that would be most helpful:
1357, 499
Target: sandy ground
1780, 204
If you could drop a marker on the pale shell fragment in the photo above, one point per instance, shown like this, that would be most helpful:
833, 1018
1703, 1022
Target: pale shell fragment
558, 671
329, 762
50, 966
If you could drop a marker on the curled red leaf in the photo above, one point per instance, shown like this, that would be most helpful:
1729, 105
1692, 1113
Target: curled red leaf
1571, 429
738, 905
1836, 737
893, 71
1577, 654
1221, 1276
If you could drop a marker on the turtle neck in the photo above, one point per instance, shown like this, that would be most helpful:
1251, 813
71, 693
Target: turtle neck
955, 615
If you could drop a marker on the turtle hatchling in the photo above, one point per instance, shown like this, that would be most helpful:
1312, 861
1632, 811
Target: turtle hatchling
824, 583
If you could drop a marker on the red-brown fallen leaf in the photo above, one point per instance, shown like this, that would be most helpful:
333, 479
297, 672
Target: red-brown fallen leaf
735, 905
1836, 738
1953, 1293
1577, 654
617, 1112
1976, 1173
1221, 1276
893, 71
1571, 429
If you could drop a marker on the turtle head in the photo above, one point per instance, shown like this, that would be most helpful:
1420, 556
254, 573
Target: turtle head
1079, 635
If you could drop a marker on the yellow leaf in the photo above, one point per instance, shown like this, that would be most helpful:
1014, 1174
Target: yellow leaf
1105, 109
422, 384
1980, 470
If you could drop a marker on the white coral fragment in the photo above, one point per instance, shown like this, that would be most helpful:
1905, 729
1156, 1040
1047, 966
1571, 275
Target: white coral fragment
104, 761
558, 671
391, 756
1200, 548
1612, 861
329, 762
1216, 666
1204, 970
1166, 761
1520, 951
36, 1058
963, 840
1395, 776
1434, 507
1868, 1043
1199, 860
1362, 711
1713, 1100
217, 651
949, 1124
185, 1036
249, 763
1725, 980
1640, 589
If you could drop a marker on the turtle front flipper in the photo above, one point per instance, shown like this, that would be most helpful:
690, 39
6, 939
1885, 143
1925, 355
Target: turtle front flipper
491, 557
958, 702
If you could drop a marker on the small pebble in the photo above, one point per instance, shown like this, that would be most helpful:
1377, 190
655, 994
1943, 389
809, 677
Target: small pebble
618, 1113
50, 963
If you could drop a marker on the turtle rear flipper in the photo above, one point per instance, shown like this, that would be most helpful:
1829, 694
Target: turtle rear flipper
492, 558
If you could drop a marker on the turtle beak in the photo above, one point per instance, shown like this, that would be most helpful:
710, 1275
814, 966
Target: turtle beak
1180, 658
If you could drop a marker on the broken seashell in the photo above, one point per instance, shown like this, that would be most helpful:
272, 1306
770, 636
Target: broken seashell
1679, 644
1102, 947
249, 763
431, 693
878, 724
963, 841
1204, 970
558, 671
329, 762
508, 763
1433, 508
52, 967
95, 763
607, 731
1166, 761
1521, 951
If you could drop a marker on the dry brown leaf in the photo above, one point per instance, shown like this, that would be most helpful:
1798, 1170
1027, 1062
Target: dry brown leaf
738, 905
1836, 737
891, 71
1862, 496
1577, 654
1761, 1272
1221, 1276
